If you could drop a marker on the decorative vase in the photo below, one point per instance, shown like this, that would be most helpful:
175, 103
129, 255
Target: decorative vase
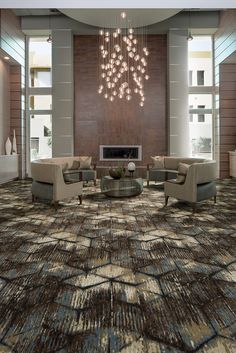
14, 145
8, 146
116, 173
131, 168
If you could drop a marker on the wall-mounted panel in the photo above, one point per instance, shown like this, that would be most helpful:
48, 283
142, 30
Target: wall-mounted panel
178, 93
225, 124
227, 116
12, 38
12, 41
101, 122
63, 93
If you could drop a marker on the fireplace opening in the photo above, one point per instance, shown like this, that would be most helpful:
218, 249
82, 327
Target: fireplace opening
120, 152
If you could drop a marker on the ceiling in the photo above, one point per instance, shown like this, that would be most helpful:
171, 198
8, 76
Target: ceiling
35, 12
231, 59
111, 18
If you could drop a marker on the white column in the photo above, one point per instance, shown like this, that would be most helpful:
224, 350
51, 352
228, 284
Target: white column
63, 92
179, 144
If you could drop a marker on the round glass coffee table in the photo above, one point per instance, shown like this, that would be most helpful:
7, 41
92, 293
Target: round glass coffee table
123, 187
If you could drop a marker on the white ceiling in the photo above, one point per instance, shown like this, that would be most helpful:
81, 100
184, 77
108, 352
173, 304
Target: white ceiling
117, 4
111, 18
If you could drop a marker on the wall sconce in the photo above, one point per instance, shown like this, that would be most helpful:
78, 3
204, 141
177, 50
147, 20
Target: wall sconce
189, 36
49, 39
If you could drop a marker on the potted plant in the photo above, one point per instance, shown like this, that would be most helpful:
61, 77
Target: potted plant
117, 172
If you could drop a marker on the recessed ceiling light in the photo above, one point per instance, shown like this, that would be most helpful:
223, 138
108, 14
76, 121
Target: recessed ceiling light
6, 58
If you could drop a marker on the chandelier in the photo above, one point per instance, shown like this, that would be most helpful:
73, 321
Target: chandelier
123, 62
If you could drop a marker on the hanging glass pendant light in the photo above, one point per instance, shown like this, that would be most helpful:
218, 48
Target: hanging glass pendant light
123, 62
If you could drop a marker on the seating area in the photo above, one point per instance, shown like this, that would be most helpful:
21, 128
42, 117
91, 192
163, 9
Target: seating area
58, 178
117, 177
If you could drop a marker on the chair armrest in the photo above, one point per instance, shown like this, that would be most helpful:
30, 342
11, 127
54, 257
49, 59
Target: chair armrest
150, 166
72, 176
45, 172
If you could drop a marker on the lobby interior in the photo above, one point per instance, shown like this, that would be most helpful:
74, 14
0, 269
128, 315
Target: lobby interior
117, 272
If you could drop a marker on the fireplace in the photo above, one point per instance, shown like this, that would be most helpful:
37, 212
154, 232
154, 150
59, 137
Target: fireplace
120, 153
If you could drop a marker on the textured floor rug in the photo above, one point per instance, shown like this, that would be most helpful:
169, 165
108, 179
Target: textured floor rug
117, 275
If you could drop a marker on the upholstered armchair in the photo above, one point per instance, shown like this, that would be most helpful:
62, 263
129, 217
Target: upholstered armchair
199, 184
49, 184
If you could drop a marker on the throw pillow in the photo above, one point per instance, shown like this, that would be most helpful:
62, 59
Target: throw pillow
85, 162
64, 166
75, 165
182, 172
158, 162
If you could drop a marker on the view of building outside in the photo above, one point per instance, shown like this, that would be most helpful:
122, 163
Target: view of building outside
200, 96
40, 102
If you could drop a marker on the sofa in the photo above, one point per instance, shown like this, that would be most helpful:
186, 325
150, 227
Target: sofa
59, 178
166, 167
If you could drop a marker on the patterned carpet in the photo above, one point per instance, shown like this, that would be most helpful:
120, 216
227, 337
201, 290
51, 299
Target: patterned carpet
117, 275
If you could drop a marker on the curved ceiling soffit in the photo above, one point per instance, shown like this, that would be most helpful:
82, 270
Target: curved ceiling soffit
110, 18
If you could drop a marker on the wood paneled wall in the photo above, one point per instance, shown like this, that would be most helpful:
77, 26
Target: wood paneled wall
227, 115
12, 41
100, 122
12, 37
15, 104
225, 79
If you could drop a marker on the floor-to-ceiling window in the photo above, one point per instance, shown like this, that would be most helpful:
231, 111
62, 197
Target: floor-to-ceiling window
39, 97
201, 96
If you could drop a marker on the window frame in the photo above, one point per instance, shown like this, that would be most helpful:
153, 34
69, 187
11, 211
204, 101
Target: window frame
200, 78
201, 89
33, 91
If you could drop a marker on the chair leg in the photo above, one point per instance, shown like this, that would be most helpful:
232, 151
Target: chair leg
95, 182
80, 199
33, 198
166, 200
148, 183
56, 205
215, 199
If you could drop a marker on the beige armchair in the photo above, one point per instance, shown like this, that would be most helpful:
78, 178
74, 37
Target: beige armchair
199, 184
48, 183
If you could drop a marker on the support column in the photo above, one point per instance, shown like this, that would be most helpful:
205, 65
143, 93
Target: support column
178, 117
63, 93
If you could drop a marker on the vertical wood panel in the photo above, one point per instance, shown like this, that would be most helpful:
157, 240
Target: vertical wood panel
15, 104
12, 38
12, 41
227, 119
98, 121
225, 134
